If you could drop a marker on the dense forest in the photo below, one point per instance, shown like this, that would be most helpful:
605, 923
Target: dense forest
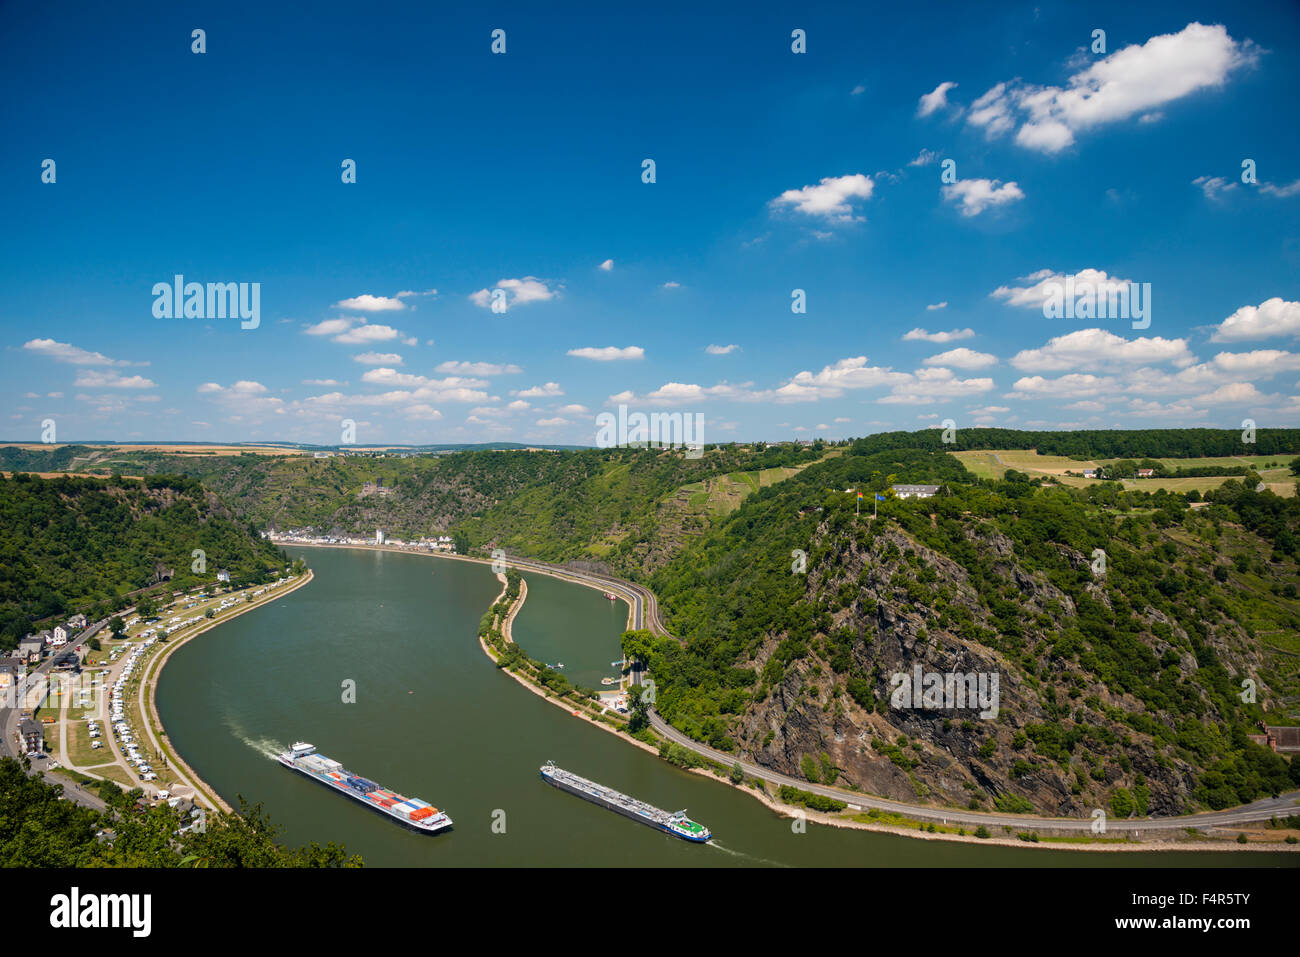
37, 829
83, 545
1095, 443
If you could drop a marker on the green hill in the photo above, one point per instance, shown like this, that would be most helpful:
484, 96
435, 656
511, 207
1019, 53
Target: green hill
1129, 681
82, 545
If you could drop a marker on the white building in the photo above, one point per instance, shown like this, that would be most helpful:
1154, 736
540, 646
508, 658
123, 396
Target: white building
915, 491
379, 536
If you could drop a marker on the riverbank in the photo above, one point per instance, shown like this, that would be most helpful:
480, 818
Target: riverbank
536, 689
1039, 833
152, 673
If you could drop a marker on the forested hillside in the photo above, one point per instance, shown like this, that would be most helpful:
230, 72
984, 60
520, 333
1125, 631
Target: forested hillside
83, 544
1119, 689
598, 504
1123, 687
37, 829
616, 507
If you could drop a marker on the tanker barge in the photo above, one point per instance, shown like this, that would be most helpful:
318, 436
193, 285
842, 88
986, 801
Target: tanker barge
676, 824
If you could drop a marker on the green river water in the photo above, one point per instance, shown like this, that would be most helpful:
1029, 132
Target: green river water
434, 719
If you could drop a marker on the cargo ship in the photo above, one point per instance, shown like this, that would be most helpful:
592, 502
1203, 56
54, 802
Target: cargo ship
414, 813
676, 824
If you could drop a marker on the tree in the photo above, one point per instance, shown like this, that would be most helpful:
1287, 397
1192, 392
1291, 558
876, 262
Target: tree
116, 625
737, 773
639, 709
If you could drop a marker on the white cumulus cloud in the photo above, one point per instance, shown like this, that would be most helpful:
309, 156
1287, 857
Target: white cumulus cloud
939, 338
831, 199
608, 353
974, 196
936, 99
962, 358
1273, 317
1133, 81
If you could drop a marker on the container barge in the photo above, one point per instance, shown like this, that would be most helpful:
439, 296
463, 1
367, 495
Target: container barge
412, 812
676, 824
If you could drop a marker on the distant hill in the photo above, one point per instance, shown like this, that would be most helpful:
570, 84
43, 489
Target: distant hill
590, 503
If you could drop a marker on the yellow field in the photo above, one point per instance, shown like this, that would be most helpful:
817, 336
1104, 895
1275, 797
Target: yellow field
127, 446
993, 463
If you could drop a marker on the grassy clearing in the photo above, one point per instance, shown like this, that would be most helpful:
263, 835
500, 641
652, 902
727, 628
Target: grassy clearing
80, 752
115, 772
720, 495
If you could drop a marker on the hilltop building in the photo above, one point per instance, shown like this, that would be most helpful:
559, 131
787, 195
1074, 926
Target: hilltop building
915, 491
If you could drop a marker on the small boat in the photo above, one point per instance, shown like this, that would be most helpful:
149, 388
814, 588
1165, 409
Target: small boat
611, 596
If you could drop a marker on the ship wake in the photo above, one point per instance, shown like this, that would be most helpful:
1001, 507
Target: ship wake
266, 747
749, 857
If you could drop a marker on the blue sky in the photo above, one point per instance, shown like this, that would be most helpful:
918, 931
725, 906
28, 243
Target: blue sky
775, 171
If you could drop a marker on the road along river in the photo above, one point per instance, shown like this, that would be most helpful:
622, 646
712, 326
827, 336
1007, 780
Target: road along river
433, 718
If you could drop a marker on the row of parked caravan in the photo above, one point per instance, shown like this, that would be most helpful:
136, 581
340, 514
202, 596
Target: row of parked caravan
125, 735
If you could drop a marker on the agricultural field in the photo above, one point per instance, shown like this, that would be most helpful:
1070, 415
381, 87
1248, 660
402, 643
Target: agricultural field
723, 494
1273, 469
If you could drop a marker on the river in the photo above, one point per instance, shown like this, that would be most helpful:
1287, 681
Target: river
433, 718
